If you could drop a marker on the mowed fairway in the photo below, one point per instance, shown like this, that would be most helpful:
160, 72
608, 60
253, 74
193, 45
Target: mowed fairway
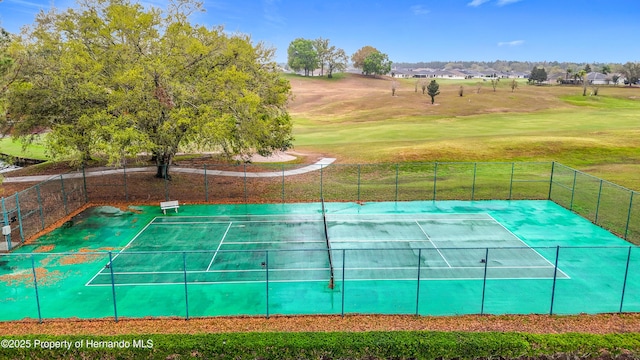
355, 119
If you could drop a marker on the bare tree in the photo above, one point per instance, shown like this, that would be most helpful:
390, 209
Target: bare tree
494, 84
394, 87
514, 85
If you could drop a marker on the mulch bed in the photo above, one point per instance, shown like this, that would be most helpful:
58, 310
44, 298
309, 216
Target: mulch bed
596, 324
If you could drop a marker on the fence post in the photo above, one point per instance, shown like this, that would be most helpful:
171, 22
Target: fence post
124, 174
165, 171
484, 279
397, 182
626, 229
624, 284
321, 181
418, 285
473, 185
84, 185
359, 170
266, 269
206, 185
573, 189
511, 180
553, 167
598, 203
435, 180
35, 286
64, 196
19, 216
5, 218
40, 204
245, 183
186, 292
555, 276
343, 280
113, 287
283, 183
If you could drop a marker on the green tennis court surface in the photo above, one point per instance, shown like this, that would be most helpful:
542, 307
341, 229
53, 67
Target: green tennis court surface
429, 258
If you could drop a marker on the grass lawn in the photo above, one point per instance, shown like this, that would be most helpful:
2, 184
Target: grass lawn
14, 148
356, 119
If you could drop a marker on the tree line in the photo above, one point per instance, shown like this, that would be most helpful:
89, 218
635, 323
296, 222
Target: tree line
115, 79
309, 55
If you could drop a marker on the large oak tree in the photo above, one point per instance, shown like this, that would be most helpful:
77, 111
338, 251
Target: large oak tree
115, 78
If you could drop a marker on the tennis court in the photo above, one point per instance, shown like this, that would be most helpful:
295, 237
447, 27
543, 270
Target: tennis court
422, 257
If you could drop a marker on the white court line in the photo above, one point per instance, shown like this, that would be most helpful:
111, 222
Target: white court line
529, 247
276, 242
237, 221
219, 245
220, 282
432, 243
213, 271
121, 250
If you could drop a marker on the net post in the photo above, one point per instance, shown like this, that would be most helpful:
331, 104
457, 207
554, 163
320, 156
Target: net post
343, 281
484, 279
573, 189
206, 185
113, 287
598, 203
266, 270
186, 292
35, 287
553, 167
326, 237
626, 229
513, 165
624, 283
555, 277
418, 283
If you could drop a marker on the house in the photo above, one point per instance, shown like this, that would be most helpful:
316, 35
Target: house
596, 78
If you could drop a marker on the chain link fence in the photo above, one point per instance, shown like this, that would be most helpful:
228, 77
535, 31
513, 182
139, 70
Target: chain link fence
608, 205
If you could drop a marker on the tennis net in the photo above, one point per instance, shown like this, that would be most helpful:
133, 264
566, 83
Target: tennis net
326, 237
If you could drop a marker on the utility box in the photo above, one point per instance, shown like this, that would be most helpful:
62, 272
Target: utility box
6, 230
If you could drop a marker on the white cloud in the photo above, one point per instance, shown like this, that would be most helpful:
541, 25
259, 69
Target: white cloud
419, 10
511, 43
507, 2
476, 3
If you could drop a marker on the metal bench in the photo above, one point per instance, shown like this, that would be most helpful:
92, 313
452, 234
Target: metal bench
165, 205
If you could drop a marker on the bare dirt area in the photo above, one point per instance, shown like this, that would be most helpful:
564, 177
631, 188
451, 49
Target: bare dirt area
596, 324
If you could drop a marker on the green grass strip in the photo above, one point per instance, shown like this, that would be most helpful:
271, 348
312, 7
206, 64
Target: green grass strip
331, 345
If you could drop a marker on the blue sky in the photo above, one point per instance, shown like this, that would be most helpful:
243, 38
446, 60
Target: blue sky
428, 30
